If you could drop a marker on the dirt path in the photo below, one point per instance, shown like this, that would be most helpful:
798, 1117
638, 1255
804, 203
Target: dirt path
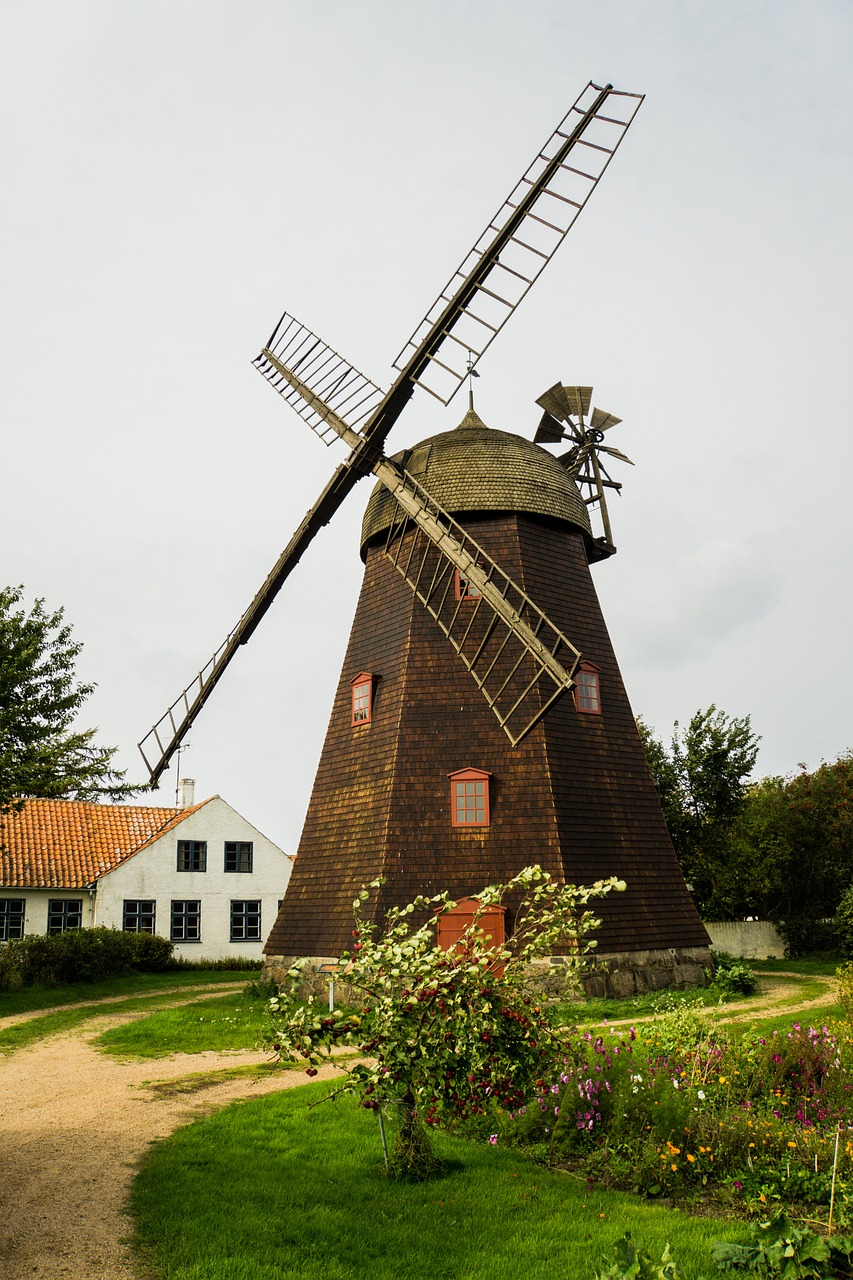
74, 1123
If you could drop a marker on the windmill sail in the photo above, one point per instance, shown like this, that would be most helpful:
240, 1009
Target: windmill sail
336, 382
519, 241
519, 659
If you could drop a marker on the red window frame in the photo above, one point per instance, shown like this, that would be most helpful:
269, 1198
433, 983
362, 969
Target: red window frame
362, 698
588, 689
469, 798
463, 589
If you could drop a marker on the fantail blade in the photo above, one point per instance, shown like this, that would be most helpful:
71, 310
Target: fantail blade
601, 420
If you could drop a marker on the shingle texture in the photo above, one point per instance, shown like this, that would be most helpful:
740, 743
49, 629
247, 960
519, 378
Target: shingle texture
68, 844
574, 796
474, 468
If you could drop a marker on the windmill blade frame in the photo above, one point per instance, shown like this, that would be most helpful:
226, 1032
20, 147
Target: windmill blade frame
502, 266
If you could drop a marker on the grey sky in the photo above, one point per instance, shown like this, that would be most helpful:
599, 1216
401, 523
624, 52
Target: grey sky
177, 174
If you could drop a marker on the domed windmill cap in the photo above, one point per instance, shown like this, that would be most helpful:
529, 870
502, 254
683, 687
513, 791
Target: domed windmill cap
475, 469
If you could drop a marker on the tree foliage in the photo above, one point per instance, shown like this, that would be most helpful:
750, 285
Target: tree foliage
445, 1034
701, 779
776, 849
41, 752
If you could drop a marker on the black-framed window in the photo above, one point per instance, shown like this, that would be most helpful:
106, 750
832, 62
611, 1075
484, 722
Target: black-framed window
12, 912
64, 914
192, 855
239, 855
139, 915
245, 921
186, 920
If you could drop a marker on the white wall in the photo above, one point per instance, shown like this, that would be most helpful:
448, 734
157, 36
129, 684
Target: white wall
153, 873
35, 912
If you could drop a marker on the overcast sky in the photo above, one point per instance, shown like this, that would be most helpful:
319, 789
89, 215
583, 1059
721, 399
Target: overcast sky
178, 173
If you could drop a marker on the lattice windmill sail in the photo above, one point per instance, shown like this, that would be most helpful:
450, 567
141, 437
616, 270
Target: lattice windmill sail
514, 652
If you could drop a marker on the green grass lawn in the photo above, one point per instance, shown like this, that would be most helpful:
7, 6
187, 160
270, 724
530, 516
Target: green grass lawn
269, 1190
30, 999
806, 965
19, 1035
235, 1021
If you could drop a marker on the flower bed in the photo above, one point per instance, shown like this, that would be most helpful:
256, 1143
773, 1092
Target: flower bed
684, 1107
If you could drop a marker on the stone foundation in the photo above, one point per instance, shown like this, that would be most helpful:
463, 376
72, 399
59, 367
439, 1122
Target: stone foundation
618, 974
622, 974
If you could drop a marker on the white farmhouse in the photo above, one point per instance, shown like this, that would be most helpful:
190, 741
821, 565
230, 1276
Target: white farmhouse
201, 875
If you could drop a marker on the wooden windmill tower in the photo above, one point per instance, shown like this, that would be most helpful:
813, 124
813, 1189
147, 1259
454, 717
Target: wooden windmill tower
480, 722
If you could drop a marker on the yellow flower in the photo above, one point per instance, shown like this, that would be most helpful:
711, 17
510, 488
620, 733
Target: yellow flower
691, 1158
763, 1198
674, 1168
792, 1144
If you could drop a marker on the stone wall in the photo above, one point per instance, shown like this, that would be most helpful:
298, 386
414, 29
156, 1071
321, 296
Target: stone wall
617, 974
633, 973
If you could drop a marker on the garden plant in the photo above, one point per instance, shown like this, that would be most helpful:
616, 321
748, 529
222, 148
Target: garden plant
685, 1108
447, 1035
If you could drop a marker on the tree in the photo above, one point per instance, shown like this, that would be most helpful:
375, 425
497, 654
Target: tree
701, 781
446, 1034
41, 754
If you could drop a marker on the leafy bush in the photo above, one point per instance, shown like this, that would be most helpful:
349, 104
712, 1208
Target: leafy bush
807, 937
445, 1035
844, 922
778, 1248
732, 976
80, 955
629, 1263
844, 989
227, 964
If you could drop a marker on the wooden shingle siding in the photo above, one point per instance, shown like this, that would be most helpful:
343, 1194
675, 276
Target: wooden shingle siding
574, 796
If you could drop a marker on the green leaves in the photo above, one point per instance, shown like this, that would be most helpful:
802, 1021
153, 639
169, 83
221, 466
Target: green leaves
629, 1263
447, 1033
701, 780
778, 1248
41, 753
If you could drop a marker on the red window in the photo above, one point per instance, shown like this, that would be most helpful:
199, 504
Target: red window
469, 798
362, 698
588, 690
465, 590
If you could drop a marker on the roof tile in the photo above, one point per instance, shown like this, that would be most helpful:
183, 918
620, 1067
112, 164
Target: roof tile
64, 844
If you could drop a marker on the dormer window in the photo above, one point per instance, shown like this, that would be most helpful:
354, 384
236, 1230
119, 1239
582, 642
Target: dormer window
362, 698
588, 689
465, 590
469, 798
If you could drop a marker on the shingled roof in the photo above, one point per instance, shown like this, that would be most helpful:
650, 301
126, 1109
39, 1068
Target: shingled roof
69, 844
475, 468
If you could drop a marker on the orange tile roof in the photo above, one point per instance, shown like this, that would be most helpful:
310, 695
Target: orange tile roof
68, 844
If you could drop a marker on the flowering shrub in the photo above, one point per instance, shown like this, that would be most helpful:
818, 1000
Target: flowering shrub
446, 1035
679, 1106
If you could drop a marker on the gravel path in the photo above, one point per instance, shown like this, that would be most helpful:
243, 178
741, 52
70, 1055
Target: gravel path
74, 1122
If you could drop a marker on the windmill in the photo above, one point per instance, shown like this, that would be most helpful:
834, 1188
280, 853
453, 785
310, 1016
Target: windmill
460, 577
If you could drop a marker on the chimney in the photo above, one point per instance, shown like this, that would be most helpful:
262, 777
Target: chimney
187, 796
